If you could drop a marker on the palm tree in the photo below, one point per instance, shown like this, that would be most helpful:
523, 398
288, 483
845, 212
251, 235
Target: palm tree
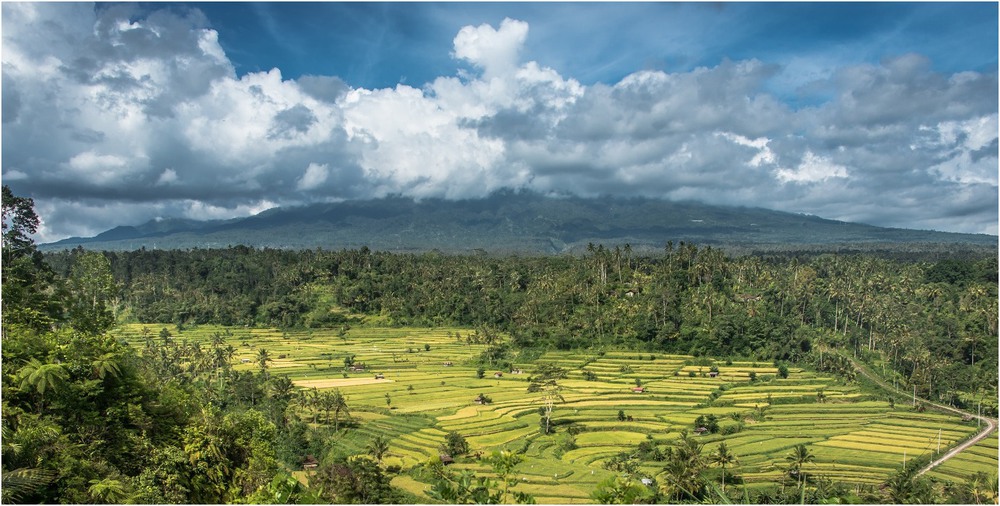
262, 359
338, 404
23, 481
107, 491
106, 364
684, 468
17, 483
41, 377
378, 447
723, 457
799, 457
310, 399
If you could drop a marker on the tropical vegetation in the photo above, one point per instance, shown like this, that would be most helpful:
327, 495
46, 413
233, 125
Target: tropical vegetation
252, 375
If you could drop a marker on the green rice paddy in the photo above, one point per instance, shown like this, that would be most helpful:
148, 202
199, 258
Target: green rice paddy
430, 375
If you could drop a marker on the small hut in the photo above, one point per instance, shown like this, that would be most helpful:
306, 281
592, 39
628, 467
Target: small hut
380, 376
701, 430
638, 390
446, 459
309, 462
498, 374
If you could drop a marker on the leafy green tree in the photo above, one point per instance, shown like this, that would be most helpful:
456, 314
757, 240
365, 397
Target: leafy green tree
503, 463
623, 463
906, 487
27, 279
623, 490
285, 489
455, 444
464, 488
546, 380
709, 422
231, 455
980, 488
355, 480
782, 371
93, 289
20, 482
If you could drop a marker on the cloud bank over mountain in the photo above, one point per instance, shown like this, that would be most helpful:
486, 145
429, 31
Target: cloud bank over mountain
111, 117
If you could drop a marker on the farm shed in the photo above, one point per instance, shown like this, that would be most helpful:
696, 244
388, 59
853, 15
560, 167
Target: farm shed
309, 462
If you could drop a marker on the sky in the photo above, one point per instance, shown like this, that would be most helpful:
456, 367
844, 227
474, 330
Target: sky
879, 113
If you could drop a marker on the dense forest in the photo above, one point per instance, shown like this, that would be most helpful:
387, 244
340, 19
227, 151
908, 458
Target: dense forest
687, 300
87, 418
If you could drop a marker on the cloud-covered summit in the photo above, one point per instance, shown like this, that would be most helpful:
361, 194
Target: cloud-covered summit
114, 117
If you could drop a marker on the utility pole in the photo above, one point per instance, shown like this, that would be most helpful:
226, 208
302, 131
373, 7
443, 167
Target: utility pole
939, 441
914, 395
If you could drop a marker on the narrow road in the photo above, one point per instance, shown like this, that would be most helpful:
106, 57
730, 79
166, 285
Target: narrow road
991, 424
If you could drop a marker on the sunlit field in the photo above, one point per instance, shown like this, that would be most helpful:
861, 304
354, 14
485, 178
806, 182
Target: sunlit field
417, 384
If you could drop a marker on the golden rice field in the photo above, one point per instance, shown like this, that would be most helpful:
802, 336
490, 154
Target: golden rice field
430, 375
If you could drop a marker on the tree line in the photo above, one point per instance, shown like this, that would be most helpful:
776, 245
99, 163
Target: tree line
932, 324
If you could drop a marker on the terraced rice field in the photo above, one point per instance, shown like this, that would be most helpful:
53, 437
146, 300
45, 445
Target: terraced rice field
430, 376
981, 457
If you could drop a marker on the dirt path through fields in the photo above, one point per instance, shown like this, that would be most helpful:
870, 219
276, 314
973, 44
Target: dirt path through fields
339, 382
991, 424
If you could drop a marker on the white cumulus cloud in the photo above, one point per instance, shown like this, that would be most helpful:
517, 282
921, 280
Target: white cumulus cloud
812, 169
110, 114
496, 51
314, 176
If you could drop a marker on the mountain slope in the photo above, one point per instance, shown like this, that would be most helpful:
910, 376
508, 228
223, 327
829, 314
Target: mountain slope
512, 222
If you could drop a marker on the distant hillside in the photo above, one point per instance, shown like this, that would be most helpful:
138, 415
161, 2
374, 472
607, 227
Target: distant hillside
519, 222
